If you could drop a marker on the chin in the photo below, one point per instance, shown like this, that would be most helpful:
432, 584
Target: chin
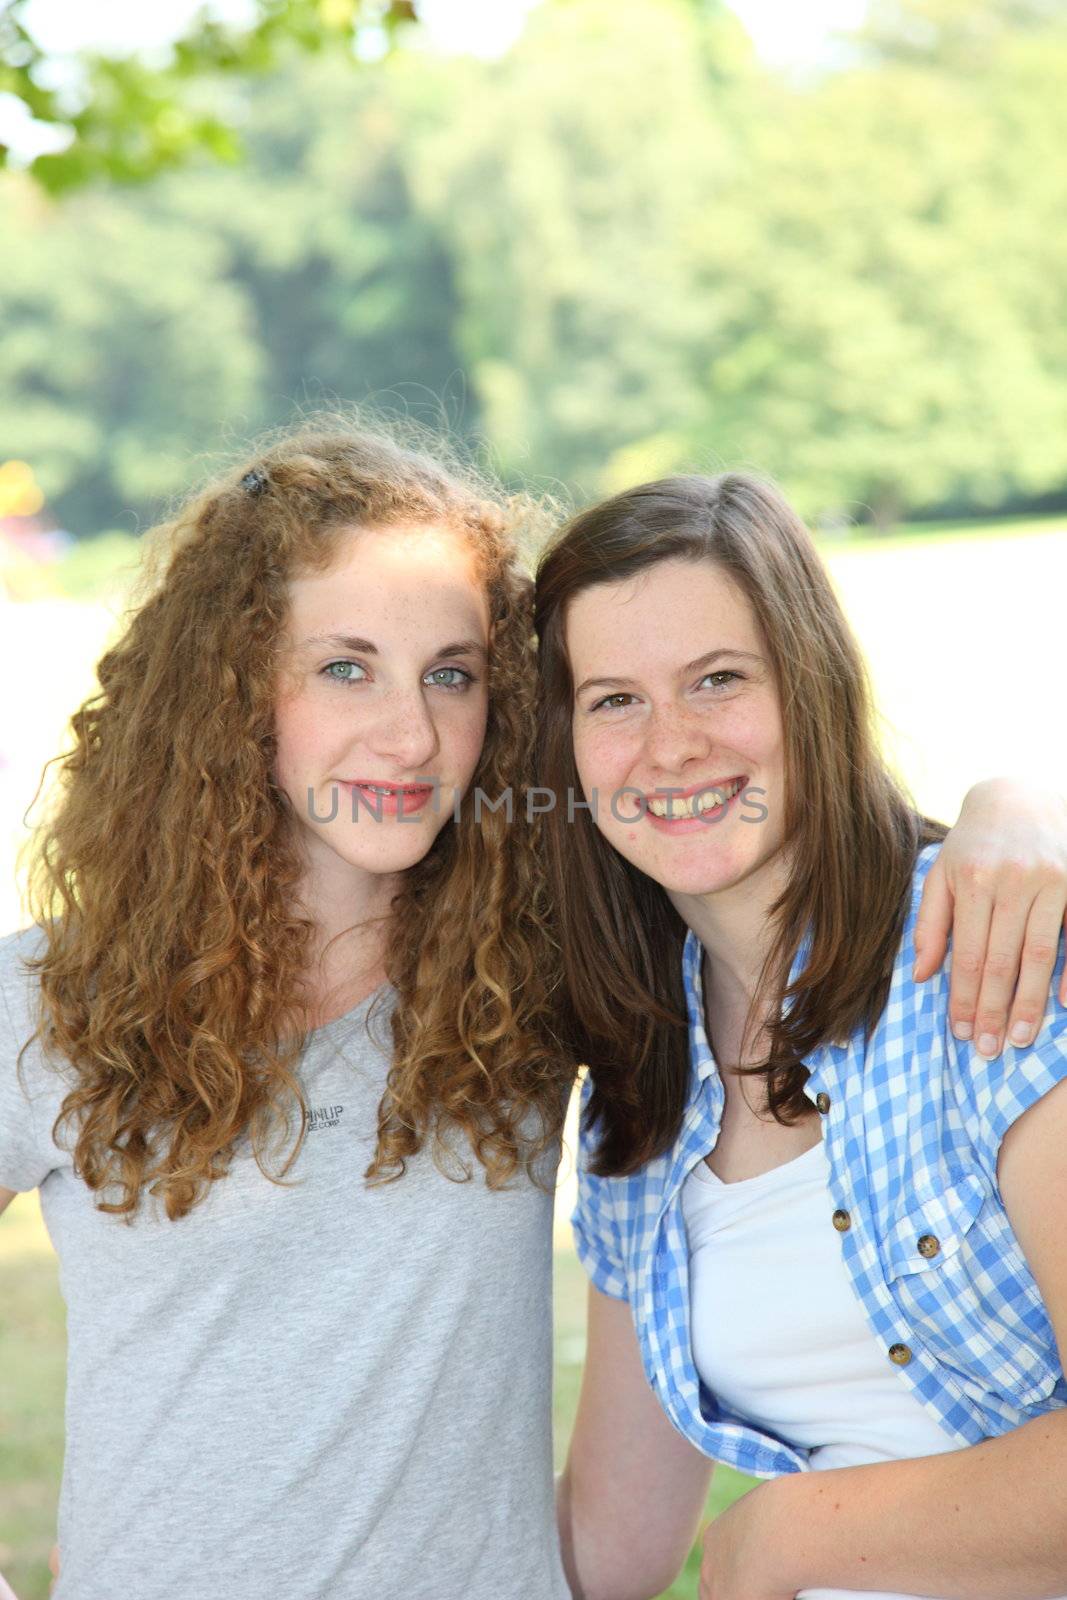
700, 878
401, 847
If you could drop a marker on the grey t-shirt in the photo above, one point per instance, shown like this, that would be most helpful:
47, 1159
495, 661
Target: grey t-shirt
320, 1392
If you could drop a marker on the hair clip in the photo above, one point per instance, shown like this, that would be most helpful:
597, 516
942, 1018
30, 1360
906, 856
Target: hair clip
254, 482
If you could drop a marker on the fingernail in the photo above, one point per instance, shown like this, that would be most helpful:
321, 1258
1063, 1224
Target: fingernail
988, 1045
962, 1030
1022, 1033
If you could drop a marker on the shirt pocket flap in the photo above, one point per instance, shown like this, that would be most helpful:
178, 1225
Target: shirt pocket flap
931, 1225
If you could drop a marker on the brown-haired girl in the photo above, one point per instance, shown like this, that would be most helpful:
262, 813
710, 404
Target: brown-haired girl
277, 954
823, 1225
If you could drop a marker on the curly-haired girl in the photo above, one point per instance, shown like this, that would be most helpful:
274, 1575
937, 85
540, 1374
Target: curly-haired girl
279, 952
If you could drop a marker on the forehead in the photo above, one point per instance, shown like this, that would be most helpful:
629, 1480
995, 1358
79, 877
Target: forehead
396, 574
671, 612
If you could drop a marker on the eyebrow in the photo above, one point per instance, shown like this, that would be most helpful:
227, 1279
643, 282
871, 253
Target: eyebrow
691, 666
366, 647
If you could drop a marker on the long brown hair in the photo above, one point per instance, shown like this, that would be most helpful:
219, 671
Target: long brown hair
171, 973
851, 832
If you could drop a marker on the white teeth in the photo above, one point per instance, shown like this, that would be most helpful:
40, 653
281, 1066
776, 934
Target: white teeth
693, 805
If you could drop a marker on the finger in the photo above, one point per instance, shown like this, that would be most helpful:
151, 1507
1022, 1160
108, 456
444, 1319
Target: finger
1040, 948
973, 913
1000, 972
933, 923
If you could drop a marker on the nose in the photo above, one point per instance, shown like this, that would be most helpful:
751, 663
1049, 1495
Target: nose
674, 735
405, 732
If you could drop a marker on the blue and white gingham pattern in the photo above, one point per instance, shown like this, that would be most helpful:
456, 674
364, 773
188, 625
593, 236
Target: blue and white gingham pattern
912, 1133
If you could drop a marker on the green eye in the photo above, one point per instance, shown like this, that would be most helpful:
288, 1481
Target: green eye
347, 674
448, 678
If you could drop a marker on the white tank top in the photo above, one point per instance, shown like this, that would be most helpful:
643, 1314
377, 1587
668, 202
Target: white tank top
777, 1332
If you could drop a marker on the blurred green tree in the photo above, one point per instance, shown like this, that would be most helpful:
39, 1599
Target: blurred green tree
571, 181
893, 269
138, 327
959, 31
623, 249
122, 345
126, 118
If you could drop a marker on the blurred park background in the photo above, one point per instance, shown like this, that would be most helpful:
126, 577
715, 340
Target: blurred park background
598, 240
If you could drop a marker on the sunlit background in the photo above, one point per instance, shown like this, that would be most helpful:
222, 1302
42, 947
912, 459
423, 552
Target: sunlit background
599, 240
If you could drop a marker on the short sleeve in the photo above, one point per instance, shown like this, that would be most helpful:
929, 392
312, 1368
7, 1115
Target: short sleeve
30, 1097
597, 1235
999, 1091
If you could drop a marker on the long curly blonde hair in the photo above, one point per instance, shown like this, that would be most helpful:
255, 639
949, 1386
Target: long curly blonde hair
164, 876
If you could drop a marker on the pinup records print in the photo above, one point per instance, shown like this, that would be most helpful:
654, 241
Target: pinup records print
324, 1117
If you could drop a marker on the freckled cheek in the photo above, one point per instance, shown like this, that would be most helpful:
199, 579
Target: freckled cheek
609, 760
305, 738
462, 736
755, 733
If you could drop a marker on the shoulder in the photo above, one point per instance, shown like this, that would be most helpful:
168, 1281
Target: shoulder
991, 1094
18, 982
920, 872
907, 997
20, 945
23, 1059
614, 1218
32, 1087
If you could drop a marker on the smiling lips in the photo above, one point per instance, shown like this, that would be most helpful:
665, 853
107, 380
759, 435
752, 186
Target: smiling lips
693, 804
391, 799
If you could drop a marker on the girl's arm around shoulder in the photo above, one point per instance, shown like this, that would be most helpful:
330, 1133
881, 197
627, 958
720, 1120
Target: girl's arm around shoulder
633, 1489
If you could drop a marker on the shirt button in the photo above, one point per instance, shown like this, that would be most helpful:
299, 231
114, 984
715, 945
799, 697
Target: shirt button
822, 1102
841, 1221
899, 1354
928, 1245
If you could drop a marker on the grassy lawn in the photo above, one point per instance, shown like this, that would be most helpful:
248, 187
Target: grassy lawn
32, 1349
32, 1355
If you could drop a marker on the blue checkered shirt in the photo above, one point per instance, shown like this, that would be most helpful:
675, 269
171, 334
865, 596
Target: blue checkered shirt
913, 1121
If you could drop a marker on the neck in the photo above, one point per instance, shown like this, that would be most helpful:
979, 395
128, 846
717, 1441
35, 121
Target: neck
735, 927
350, 910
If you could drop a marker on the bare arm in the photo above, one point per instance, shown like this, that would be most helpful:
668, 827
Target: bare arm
633, 1488
980, 1523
